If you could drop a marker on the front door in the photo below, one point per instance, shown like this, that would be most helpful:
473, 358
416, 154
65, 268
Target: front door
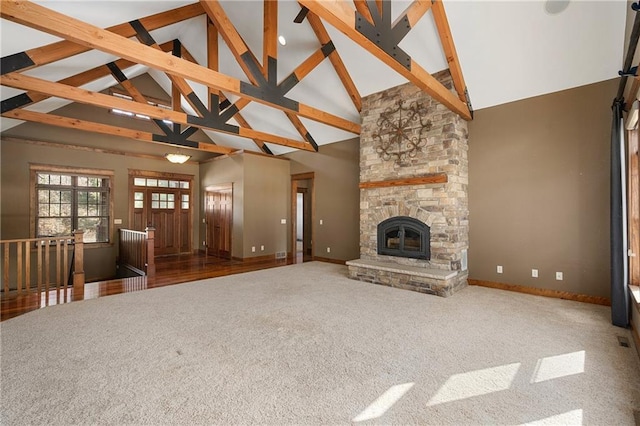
164, 204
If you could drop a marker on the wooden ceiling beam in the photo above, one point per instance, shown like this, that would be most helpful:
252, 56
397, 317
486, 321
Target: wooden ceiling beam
343, 18
363, 8
64, 49
89, 126
21, 81
336, 61
41, 18
212, 62
213, 56
270, 29
245, 57
415, 12
30, 98
446, 39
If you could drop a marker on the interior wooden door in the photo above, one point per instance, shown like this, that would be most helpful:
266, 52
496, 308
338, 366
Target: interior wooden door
219, 218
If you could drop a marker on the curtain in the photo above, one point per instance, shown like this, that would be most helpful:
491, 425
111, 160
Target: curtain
619, 289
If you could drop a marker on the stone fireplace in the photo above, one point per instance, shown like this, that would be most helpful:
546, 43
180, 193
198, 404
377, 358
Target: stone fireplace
413, 192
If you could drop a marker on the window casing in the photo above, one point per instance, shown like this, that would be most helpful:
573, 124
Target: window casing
66, 199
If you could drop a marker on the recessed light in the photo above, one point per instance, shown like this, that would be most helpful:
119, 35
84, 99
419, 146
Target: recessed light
282, 40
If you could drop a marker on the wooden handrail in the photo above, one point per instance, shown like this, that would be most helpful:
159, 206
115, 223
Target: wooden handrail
136, 251
50, 268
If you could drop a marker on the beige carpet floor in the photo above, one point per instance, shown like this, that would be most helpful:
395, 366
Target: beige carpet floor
303, 344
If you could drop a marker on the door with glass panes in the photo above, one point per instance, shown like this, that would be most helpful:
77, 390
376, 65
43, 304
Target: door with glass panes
164, 204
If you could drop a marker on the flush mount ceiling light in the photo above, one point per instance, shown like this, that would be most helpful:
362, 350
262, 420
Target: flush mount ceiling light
177, 158
282, 40
554, 7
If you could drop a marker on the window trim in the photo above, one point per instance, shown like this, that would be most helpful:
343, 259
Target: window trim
35, 168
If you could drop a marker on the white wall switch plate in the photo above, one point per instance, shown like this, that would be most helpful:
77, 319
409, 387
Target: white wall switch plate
534, 273
328, 249
283, 221
499, 269
261, 248
253, 249
117, 221
559, 276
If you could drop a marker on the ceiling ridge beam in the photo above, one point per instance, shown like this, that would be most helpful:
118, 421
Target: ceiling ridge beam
24, 82
77, 80
343, 18
90, 126
52, 22
341, 70
64, 49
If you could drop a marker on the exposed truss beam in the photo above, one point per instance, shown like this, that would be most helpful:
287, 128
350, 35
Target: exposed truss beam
29, 98
74, 123
49, 21
20, 81
217, 99
336, 60
265, 76
270, 29
363, 8
442, 23
343, 18
65, 49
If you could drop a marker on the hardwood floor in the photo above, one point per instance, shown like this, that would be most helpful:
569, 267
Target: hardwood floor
169, 271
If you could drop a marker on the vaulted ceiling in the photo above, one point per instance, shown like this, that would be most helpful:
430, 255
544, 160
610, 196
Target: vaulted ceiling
497, 51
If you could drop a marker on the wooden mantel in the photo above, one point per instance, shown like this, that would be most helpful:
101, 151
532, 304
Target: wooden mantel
418, 180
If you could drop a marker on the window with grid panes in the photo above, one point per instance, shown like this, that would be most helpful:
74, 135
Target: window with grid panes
65, 202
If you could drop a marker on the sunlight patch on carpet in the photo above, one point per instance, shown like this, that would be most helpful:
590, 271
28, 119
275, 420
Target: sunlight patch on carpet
573, 417
554, 367
383, 403
476, 383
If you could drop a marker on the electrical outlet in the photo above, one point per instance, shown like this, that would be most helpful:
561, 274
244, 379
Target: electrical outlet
328, 249
117, 221
321, 222
253, 249
204, 220
261, 248
534, 273
559, 276
499, 269
283, 221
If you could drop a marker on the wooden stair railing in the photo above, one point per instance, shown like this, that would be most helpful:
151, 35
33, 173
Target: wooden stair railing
136, 251
43, 264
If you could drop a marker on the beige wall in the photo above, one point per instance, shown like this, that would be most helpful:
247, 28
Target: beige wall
336, 168
14, 187
539, 190
260, 188
266, 188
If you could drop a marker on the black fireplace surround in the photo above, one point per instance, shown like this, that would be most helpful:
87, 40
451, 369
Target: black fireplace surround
404, 236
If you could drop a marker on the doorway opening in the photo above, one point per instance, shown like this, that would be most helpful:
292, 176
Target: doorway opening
302, 217
219, 220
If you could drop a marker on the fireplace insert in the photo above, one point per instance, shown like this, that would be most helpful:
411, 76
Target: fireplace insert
404, 236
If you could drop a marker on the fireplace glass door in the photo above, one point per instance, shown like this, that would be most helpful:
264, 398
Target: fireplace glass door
404, 237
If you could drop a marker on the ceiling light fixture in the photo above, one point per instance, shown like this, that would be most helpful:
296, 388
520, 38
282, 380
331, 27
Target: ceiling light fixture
282, 40
177, 158
554, 7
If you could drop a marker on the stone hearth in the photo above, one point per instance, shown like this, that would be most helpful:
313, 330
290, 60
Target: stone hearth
430, 185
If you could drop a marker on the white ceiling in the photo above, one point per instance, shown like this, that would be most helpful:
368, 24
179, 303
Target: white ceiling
508, 50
